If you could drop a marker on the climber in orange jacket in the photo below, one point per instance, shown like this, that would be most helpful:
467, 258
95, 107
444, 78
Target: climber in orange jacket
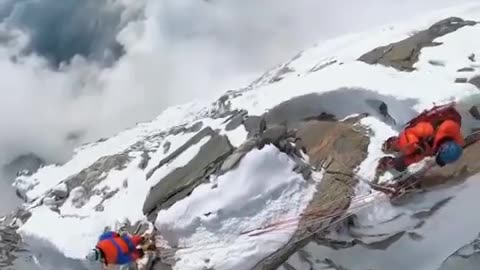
115, 249
436, 132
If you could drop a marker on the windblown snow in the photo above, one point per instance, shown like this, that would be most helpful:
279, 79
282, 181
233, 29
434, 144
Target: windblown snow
263, 188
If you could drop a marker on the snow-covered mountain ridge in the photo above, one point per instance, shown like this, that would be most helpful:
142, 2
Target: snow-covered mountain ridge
205, 173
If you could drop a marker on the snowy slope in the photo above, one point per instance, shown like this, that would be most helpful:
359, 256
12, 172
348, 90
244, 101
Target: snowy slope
263, 188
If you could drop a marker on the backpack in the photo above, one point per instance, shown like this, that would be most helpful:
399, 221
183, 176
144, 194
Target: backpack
437, 115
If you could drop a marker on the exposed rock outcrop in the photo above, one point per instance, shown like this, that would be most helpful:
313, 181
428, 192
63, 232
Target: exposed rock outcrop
182, 181
461, 80
84, 182
402, 55
475, 81
11, 245
336, 147
186, 129
236, 120
466, 69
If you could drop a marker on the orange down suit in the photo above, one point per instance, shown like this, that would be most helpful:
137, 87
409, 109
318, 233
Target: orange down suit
423, 140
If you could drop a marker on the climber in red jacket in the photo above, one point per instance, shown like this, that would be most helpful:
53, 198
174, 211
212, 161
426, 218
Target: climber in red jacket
436, 132
115, 249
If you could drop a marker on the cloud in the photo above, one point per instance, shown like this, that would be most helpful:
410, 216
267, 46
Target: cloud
87, 69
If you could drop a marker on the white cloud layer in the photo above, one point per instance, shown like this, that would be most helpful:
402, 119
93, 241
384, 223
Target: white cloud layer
174, 51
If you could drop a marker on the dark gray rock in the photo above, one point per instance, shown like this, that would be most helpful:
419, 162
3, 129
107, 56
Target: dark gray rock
322, 65
232, 160
179, 183
12, 246
334, 244
273, 75
194, 128
475, 81
78, 196
139, 227
288, 266
323, 116
471, 57
475, 112
157, 264
106, 194
23, 215
466, 69
16, 218
166, 147
304, 170
236, 121
295, 110
437, 206
92, 175
254, 125
404, 54
437, 63
461, 80
177, 130
83, 183
273, 134
383, 244
382, 108
195, 139
60, 192
420, 224
222, 107
324, 107
320, 140
183, 129
279, 74
145, 159
415, 236
50, 202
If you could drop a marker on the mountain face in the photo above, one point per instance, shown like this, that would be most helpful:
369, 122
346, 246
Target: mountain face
272, 176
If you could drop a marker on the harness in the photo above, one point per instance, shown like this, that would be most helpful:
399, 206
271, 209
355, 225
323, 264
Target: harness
128, 241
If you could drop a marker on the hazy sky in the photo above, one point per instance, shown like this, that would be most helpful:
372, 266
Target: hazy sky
172, 51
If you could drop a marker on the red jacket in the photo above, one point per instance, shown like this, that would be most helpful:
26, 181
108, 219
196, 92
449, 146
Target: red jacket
119, 250
422, 139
